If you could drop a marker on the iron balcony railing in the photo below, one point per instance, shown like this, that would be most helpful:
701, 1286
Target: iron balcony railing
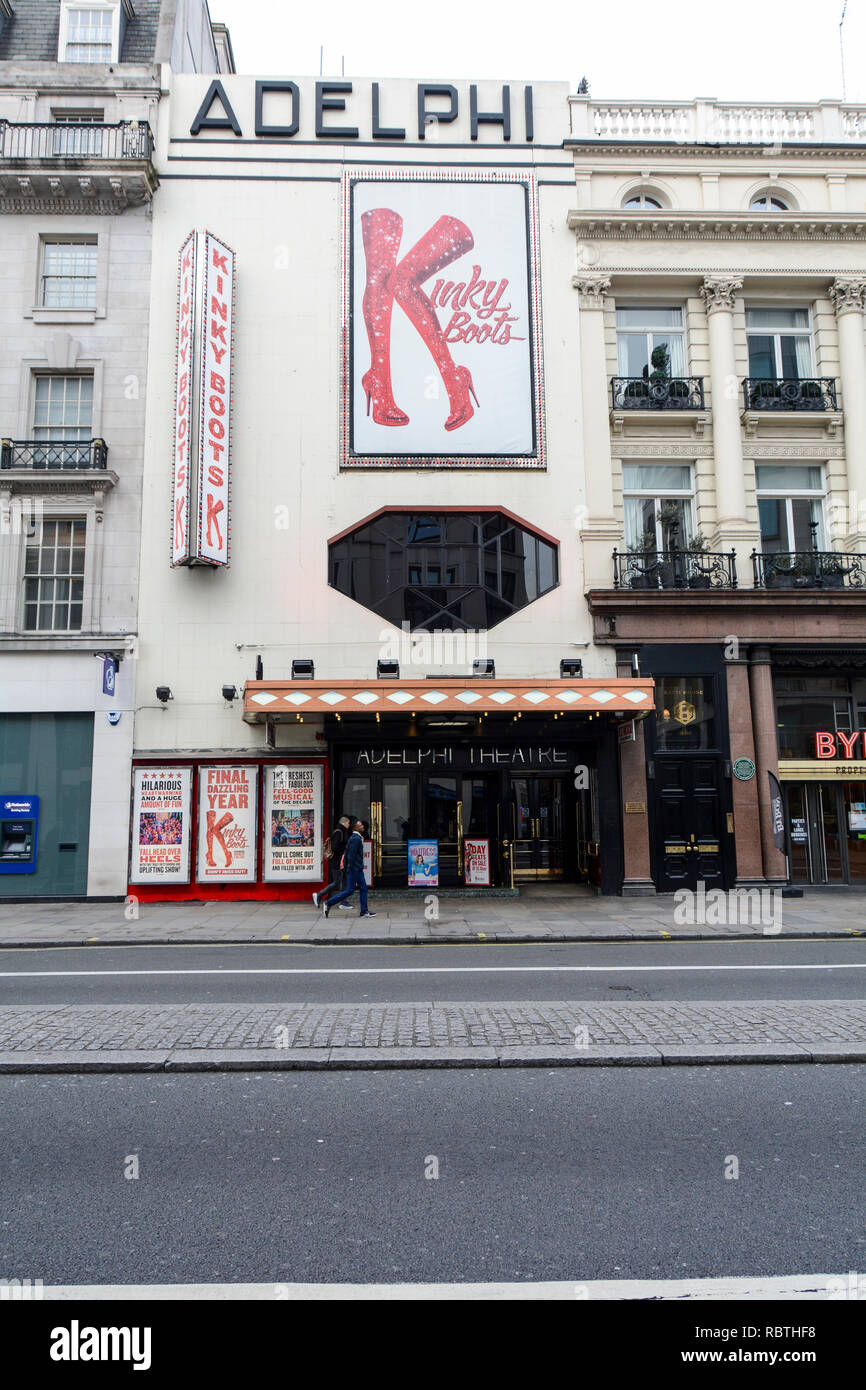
78, 142
789, 393
808, 569
673, 393
674, 569
62, 454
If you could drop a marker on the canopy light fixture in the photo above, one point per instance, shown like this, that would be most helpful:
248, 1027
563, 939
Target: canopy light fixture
484, 666
571, 668
303, 669
230, 692
163, 694
387, 670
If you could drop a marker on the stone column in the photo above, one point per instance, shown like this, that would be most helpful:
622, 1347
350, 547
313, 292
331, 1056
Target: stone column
766, 755
732, 529
597, 527
747, 811
848, 294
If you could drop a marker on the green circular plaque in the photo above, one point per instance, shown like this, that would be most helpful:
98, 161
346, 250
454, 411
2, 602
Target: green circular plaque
744, 769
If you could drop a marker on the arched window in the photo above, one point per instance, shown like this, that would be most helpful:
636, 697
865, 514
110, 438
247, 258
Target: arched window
766, 201
642, 200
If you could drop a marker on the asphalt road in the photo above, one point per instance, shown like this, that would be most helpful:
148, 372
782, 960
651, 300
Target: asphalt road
565, 1174
612, 971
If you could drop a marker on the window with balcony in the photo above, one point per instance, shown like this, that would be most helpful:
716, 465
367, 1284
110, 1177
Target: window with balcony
54, 576
62, 420
790, 508
68, 278
658, 505
89, 33
650, 339
78, 133
780, 343
441, 570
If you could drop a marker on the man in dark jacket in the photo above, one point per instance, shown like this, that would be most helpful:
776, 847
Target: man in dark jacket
339, 836
354, 872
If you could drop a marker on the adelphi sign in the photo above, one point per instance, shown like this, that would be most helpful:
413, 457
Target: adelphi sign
337, 108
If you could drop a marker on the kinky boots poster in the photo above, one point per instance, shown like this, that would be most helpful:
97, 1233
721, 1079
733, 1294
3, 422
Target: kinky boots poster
227, 824
441, 351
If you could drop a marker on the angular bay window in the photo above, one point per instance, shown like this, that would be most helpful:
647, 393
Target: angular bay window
790, 508
658, 506
439, 570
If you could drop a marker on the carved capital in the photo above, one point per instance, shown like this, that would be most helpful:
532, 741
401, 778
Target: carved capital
848, 294
718, 292
592, 289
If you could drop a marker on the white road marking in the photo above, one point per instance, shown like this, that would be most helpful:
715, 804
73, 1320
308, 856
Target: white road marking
430, 970
777, 1288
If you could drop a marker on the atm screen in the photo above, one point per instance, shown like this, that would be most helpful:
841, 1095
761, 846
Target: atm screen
16, 839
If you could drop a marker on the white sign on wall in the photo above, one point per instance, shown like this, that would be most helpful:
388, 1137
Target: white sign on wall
442, 357
293, 824
161, 825
227, 818
203, 403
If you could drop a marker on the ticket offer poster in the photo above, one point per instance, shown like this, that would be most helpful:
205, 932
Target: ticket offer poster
160, 825
293, 824
476, 863
227, 824
442, 347
423, 863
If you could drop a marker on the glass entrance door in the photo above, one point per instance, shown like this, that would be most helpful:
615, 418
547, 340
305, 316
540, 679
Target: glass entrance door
537, 827
827, 832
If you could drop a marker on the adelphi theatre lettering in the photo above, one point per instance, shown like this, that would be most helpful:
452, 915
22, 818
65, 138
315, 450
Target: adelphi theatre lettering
471, 757
437, 103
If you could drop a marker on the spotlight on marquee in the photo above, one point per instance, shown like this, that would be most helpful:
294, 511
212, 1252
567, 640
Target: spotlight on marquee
230, 692
387, 670
571, 668
484, 666
163, 694
303, 669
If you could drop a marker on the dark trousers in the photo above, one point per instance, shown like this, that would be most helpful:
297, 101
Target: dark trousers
354, 879
338, 882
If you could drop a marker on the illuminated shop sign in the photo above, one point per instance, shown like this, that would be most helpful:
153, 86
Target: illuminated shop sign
839, 745
337, 107
203, 402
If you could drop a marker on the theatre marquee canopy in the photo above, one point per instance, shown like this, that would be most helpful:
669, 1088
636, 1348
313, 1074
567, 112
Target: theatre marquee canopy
279, 700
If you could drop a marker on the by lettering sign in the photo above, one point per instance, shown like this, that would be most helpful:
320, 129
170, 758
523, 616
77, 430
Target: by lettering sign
839, 745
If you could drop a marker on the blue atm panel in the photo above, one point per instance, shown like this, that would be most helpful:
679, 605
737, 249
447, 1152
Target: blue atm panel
19, 834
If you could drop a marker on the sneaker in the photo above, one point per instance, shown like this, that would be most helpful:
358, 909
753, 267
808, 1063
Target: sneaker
346, 907
369, 914
326, 909
315, 900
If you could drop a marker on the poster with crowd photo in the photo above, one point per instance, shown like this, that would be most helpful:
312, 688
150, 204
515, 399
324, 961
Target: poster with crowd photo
227, 824
293, 824
160, 825
443, 360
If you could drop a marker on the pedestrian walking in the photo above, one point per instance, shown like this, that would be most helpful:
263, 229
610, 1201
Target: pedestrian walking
354, 873
337, 846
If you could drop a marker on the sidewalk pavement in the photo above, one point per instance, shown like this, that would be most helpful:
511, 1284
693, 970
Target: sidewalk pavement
277, 1037
541, 912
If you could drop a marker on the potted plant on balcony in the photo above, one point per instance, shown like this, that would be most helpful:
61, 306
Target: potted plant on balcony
832, 571
765, 394
642, 572
811, 395
696, 576
636, 394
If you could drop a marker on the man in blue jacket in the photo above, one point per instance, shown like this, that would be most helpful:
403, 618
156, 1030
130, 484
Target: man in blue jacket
354, 873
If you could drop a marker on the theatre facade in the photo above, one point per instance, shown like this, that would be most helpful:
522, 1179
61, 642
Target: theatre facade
413, 552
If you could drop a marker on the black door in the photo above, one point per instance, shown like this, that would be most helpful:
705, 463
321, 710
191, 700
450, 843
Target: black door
689, 818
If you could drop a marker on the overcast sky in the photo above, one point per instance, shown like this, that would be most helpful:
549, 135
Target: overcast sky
757, 50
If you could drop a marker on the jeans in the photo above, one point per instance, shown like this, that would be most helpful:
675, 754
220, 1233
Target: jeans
354, 879
338, 882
